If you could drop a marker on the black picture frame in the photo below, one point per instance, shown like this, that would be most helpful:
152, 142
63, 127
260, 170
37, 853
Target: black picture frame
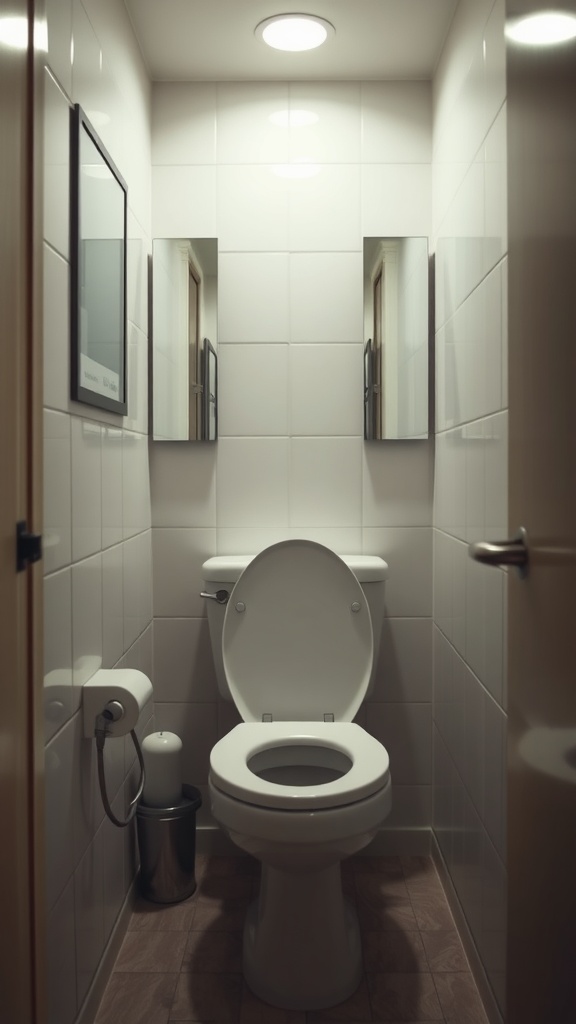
98, 251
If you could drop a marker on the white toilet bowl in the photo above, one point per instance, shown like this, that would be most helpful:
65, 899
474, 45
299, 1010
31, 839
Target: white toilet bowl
298, 784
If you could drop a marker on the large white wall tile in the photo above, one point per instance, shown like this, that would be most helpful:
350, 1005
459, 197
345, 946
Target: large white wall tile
240, 540
318, 468
112, 606
496, 198
324, 120
56, 330
408, 552
184, 202
57, 491
247, 130
137, 273
344, 540
89, 914
183, 661
177, 559
253, 298
57, 697
112, 519
395, 200
397, 484
61, 960
252, 482
253, 390
59, 813
404, 668
135, 484
406, 732
396, 122
183, 484
324, 209
86, 621
56, 166
252, 210
326, 389
137, 584
59, 26
184, 123
326, 297
87, 60
86, 488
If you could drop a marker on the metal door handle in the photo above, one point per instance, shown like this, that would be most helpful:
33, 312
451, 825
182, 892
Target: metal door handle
221, 596
503, 552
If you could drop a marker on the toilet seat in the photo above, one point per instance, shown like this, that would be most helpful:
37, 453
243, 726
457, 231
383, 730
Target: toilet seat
230, 773
297, 640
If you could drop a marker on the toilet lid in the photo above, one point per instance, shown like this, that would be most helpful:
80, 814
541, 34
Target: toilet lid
297, 638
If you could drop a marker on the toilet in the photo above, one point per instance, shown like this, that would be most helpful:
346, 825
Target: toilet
298, 784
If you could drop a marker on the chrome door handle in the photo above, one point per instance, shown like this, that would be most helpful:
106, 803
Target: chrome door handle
503, 552
221, 596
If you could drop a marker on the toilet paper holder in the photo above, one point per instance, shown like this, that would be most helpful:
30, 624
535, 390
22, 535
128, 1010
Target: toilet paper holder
112, 701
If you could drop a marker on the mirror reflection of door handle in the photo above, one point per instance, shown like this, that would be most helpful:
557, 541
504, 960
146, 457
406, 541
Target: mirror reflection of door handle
503, 552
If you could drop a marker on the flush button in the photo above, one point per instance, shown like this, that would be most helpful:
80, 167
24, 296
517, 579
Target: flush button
355, 606
240, 606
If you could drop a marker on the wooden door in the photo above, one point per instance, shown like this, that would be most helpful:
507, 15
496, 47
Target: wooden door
542, 472
21, 746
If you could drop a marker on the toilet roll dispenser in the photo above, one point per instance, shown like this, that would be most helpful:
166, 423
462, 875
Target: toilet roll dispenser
112, 701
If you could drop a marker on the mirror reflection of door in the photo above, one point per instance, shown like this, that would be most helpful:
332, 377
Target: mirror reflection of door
378, 357
195, 400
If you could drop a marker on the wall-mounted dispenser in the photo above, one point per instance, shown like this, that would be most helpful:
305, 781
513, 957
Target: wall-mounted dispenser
112, 701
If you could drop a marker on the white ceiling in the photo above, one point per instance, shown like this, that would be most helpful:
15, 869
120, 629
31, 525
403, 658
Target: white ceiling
213, 40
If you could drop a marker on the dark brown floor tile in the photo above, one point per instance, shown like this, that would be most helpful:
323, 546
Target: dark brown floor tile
223, 916
176, 917
213, 951
137, 999
147, 952
207, 997
394, 952
419, 870
386, 913
254, 1011
432, 911
404, 997
381, 882
355, 1008
459, 998
225, 887
445, 951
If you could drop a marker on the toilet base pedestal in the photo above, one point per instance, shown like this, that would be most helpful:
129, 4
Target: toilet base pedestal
302, 941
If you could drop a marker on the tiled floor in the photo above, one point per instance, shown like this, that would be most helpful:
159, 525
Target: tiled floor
183, 962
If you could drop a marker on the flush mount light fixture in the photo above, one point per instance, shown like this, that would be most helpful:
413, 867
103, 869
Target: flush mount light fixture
544, 28
294, 31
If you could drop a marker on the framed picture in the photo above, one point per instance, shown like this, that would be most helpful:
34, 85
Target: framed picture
209, 392
98, 208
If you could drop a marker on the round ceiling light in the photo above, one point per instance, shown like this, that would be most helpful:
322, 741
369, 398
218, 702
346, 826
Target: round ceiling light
545, 28
294, 32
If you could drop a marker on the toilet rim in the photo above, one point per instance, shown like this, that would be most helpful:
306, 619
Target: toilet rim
230, 773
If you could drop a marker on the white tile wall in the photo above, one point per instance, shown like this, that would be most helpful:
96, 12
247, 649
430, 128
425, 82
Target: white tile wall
470, 499
289, 203
97, 500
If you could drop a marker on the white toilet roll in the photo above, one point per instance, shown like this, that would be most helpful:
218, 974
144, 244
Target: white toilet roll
131, 688
163, 763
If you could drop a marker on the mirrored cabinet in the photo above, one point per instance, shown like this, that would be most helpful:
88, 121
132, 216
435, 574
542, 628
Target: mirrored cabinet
396, 326
184, 339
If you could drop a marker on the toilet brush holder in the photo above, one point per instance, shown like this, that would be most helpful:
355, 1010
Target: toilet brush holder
167, 844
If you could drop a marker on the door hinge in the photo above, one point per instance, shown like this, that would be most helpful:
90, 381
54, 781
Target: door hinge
28, 546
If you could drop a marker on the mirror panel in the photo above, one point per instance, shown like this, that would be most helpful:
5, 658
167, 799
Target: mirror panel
184, 339
396, 326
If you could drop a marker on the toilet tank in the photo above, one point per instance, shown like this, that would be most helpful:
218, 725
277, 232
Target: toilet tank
223, 571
